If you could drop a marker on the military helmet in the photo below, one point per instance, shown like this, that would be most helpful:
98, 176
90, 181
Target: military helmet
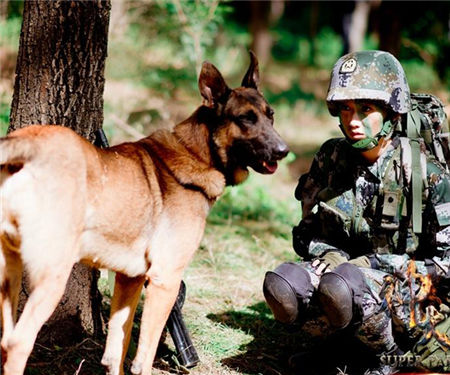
374, 75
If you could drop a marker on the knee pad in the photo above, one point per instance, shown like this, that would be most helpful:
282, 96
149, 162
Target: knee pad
287, 290
340, 294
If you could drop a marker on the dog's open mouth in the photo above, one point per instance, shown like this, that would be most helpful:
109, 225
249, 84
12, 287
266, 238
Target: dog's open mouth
266, 167
270, 166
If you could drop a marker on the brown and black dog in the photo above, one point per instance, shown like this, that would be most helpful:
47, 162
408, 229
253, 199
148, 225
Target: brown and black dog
137, 208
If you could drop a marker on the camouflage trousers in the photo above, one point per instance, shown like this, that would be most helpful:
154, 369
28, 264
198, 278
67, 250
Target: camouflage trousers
394, 307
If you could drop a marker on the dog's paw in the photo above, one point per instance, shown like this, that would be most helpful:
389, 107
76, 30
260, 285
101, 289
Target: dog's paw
136, 368
112, 367
214, 184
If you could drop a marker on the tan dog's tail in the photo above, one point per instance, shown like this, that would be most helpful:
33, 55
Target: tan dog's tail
15, 152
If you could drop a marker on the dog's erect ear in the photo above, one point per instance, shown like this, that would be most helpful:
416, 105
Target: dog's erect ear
251, 78
212, 85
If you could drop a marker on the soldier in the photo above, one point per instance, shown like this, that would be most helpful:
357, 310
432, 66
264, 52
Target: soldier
356, 237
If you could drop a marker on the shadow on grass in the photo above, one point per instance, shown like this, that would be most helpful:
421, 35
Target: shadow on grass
84, 356
271, 347
274, 343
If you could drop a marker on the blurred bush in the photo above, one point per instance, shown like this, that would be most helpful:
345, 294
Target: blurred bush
10, 32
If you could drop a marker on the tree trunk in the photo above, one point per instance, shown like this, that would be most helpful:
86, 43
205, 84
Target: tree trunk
263, 15
358, 26
119, 21
389, 25
60, 80
60, 66
4, 9
313, 24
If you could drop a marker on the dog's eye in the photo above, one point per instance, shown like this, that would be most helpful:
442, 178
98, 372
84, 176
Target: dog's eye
270, 112
249, 117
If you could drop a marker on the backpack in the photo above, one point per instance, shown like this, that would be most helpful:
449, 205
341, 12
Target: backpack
428, 120
431, 353
426, 123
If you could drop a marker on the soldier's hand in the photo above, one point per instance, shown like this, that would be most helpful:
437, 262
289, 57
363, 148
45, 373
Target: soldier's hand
320, 266
328, 262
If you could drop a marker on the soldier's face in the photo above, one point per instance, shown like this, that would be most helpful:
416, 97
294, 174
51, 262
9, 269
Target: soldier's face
361, 118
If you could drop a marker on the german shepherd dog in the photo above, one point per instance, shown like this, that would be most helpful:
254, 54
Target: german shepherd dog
138, 208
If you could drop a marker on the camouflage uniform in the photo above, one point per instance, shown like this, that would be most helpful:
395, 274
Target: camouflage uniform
343, 200
345, 205
359, 215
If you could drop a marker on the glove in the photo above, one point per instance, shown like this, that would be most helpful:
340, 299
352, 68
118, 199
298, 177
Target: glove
328, 262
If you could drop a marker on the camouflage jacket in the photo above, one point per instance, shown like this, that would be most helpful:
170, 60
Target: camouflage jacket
361, 209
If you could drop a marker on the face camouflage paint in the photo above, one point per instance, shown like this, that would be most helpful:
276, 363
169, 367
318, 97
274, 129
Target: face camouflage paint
371, 123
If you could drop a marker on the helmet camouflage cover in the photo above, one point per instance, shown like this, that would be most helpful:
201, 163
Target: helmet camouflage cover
374, 75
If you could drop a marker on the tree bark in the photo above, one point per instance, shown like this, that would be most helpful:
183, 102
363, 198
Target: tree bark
389, 26
4, 9
60, 80
358, 26
264, 14
61, 61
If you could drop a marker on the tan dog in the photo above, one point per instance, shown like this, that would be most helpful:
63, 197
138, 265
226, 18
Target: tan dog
137, 208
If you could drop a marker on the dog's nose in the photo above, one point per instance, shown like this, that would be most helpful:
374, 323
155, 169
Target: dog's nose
281, 150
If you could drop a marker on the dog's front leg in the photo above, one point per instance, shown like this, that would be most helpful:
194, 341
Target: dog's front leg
160, 297
173, 245
126, 295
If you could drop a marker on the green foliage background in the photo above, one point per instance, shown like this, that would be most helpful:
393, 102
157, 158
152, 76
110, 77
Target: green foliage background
165, 41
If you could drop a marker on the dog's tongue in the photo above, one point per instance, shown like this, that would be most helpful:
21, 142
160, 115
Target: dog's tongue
270, 167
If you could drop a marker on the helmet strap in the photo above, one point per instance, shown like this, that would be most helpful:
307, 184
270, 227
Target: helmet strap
365, 144
386, 130
371, 141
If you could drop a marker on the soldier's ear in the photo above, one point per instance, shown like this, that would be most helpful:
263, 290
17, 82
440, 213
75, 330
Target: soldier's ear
251, 78
212, 86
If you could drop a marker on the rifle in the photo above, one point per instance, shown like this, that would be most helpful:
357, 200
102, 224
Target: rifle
186, 353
